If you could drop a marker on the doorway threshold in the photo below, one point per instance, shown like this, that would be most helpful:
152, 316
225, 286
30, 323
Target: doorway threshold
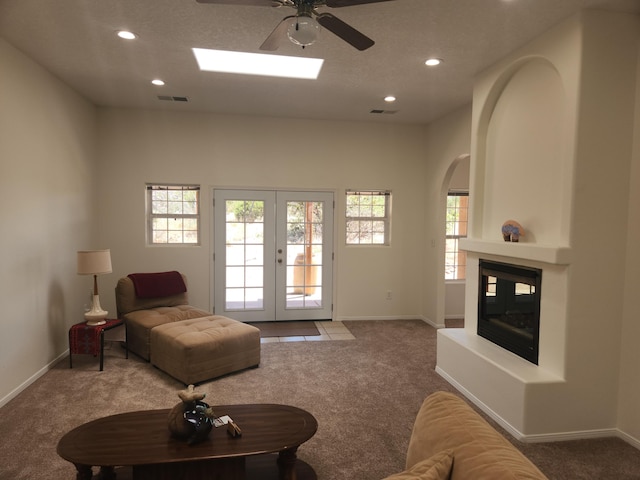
328, 330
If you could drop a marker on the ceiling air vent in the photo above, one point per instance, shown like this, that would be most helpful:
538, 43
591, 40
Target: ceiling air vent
170, 98
387, 112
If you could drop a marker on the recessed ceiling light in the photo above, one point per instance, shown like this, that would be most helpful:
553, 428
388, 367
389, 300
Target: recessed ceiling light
257, 64
389, 98
126, 35
432, 62
158, 82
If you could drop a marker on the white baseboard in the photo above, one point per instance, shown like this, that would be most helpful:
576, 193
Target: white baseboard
395, 317
634, 442
345, 318
16, 391
434, 324
564, 436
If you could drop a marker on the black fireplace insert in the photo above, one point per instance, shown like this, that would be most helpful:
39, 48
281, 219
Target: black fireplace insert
509, 307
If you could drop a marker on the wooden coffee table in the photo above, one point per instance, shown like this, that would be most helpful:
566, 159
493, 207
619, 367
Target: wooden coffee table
142, 440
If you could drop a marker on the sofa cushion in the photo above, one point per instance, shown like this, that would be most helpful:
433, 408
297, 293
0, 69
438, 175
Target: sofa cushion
140, 322
445, 421
437, 467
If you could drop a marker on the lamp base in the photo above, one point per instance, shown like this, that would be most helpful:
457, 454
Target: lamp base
96, 316
94, 323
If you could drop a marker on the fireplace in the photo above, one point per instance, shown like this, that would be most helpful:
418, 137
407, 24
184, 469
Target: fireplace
509, 307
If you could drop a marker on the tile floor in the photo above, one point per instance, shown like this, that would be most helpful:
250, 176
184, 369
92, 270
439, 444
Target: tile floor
328, 331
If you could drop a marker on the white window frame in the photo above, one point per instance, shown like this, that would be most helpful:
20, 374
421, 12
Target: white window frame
175, 217
455, 236
360, 221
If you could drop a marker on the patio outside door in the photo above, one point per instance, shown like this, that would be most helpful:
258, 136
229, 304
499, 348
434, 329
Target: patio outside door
273, 255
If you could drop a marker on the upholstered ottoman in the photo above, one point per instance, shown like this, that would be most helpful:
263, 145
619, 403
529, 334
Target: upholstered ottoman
203, 348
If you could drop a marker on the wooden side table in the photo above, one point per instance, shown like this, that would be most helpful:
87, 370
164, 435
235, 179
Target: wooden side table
89, 339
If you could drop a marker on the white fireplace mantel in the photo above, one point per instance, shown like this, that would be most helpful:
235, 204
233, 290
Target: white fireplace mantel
510, 389
556, 255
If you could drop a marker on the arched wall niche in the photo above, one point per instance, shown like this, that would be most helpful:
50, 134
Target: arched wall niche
522, 167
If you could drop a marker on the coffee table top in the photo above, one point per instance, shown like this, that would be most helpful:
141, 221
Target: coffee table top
143, 437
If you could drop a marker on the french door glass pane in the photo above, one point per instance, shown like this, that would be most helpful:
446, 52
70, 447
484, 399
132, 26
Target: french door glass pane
304, 254
244, 255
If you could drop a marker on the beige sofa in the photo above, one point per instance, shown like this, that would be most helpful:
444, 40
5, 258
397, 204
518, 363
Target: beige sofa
450, 441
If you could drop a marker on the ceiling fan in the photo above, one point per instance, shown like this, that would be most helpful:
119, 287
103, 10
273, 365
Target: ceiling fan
302, 28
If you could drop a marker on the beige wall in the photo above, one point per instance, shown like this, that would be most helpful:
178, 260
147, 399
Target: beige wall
243, 152
629, 395
460, 176
47, 155
447, 144
601, 202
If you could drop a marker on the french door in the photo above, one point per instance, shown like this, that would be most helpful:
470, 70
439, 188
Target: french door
273, 255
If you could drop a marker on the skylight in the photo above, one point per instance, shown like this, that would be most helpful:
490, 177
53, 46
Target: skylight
257, 64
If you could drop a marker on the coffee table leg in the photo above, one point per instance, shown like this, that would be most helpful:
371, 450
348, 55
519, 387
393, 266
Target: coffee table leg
84, 472
107, 473
287, 464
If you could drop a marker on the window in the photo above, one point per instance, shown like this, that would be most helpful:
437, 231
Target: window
455, 264
368, 215
173, 214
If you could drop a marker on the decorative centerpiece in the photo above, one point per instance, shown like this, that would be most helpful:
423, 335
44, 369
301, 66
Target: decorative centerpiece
192, 419
512, 231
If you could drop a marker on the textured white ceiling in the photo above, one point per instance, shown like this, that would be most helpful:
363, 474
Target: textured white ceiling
75, 40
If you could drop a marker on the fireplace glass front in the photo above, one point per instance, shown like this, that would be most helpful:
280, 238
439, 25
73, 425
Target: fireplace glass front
509, 307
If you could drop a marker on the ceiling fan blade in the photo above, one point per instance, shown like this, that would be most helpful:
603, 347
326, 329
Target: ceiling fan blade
345, 31
273, 40
260, 3
348, 3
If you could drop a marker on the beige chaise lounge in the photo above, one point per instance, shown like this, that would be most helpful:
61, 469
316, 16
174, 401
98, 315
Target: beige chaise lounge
188, 343
141, 314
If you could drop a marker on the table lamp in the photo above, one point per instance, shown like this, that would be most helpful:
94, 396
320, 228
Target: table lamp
95, 262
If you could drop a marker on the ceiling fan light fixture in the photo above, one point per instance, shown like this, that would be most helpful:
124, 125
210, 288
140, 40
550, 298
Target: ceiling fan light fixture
303, 30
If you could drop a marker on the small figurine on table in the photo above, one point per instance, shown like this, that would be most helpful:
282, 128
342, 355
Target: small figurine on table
192, 419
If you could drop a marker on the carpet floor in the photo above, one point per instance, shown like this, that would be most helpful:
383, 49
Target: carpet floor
364, 393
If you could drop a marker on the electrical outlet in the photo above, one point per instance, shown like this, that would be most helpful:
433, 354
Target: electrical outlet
389, 296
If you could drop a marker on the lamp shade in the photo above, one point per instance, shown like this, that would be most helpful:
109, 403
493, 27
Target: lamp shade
94, 262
